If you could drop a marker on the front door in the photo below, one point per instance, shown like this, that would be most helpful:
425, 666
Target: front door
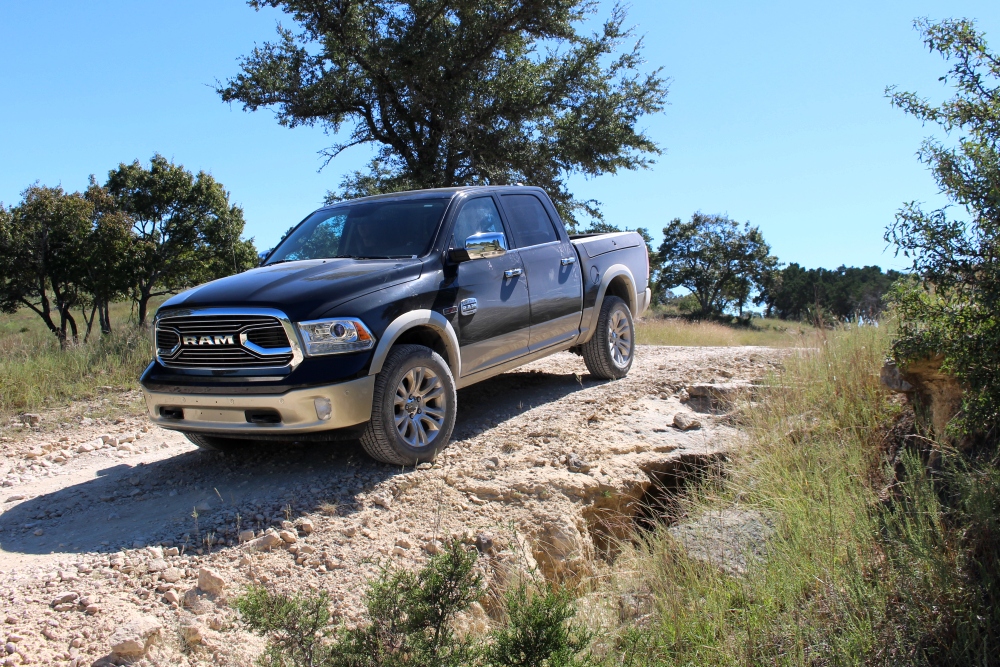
493, 312
554, 282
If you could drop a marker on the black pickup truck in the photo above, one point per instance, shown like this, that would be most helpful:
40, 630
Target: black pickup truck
370, 314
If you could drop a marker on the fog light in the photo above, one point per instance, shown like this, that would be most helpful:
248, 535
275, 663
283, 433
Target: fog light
323, 408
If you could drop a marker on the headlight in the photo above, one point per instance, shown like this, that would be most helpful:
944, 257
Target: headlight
335, 336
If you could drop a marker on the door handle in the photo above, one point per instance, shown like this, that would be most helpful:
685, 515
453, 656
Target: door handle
566, 261
510, 273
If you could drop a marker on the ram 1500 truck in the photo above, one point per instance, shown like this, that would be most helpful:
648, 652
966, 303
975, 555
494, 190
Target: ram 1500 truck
370, 314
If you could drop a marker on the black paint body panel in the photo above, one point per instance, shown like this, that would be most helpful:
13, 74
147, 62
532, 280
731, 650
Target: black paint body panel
379, 291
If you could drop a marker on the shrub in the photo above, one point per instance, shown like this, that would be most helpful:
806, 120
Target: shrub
954, 313
410, 623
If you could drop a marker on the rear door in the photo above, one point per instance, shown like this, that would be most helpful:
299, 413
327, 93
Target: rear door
493, 309
550, 262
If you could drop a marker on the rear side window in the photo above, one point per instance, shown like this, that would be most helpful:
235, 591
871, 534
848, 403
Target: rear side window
529, 223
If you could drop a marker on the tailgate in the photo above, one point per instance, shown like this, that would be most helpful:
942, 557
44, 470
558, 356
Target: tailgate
599, 244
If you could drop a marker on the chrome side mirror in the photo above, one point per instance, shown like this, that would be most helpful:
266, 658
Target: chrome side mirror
480, 246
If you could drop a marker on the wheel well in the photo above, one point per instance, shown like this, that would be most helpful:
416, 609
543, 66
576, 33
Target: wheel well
619, 287
427, 337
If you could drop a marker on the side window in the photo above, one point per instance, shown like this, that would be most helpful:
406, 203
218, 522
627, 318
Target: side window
529, 223
477, 216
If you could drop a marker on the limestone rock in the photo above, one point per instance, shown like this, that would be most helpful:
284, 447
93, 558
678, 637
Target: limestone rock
725, 538
133, 639
288, 536
157, 565
265, 542
210, 581
192, 632
563, 551
686, 422
306, 526
171, 575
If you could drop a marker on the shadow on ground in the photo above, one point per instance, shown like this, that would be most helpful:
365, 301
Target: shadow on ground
197, 498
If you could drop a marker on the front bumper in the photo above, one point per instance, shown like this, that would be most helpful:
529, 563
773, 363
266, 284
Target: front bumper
351, 404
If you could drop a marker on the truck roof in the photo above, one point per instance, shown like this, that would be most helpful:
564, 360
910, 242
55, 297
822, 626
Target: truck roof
430, 193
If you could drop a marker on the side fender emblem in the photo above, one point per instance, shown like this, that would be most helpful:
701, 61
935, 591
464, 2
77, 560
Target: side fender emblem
469, 306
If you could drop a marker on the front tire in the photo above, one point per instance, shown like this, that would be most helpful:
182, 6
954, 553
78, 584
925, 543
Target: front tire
413, 407
609, 352
212, 443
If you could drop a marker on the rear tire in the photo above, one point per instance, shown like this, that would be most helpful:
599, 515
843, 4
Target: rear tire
610, 351
413, 407
212, 443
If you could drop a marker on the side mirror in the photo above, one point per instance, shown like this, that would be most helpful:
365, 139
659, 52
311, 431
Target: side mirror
480, 246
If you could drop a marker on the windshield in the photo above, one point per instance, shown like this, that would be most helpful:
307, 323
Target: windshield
365, 230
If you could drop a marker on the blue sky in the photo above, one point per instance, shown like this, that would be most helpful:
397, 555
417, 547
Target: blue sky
777, 113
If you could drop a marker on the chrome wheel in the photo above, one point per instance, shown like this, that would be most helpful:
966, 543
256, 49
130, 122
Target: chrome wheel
619, 339
419, 407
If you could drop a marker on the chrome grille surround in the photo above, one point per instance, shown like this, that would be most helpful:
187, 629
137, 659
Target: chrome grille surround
229, 340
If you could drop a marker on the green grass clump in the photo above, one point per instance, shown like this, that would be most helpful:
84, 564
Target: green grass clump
652, 330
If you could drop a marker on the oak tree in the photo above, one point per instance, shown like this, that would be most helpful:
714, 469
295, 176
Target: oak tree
721, 262
955, 250
460, 92
184, 229
42, 241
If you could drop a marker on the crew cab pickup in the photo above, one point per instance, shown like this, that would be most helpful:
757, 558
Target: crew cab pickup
370, 314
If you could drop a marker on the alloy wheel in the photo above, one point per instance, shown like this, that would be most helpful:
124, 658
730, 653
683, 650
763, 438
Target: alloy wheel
619, 339
419, 407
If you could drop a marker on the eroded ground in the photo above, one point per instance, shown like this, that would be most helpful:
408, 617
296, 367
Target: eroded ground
105, 526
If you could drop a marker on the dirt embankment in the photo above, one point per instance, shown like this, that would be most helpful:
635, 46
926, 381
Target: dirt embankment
122, 536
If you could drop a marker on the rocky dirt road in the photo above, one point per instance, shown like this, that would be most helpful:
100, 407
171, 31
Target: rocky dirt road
119, 541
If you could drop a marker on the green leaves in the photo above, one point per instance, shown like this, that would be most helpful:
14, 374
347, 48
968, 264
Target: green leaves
955, 250
460, 92
411, 618
718, 261
184, 230
146, 233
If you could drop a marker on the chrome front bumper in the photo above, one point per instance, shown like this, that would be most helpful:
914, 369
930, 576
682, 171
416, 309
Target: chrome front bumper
351, 404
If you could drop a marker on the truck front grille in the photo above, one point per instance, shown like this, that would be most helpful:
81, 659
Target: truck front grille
222, 341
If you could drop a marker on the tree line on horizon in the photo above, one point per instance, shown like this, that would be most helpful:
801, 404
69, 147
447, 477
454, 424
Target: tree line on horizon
146, 232
727, 267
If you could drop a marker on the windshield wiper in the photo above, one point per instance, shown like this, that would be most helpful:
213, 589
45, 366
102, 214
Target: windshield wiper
375, 256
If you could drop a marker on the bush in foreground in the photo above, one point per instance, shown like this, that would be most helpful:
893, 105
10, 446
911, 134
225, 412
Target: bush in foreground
411, 619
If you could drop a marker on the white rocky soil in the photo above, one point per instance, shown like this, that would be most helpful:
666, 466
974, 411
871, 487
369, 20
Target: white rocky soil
122, 542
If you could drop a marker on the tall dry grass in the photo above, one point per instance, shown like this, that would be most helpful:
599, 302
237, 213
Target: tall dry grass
36, 374
811, 467
652, 330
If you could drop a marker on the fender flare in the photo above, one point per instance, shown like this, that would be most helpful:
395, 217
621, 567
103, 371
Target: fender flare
609, 274
411, 320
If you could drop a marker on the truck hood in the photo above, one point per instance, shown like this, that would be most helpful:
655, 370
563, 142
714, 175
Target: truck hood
303, 290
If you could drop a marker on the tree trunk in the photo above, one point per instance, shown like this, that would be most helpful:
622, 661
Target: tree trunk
89, 322
105, 315
143, 306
